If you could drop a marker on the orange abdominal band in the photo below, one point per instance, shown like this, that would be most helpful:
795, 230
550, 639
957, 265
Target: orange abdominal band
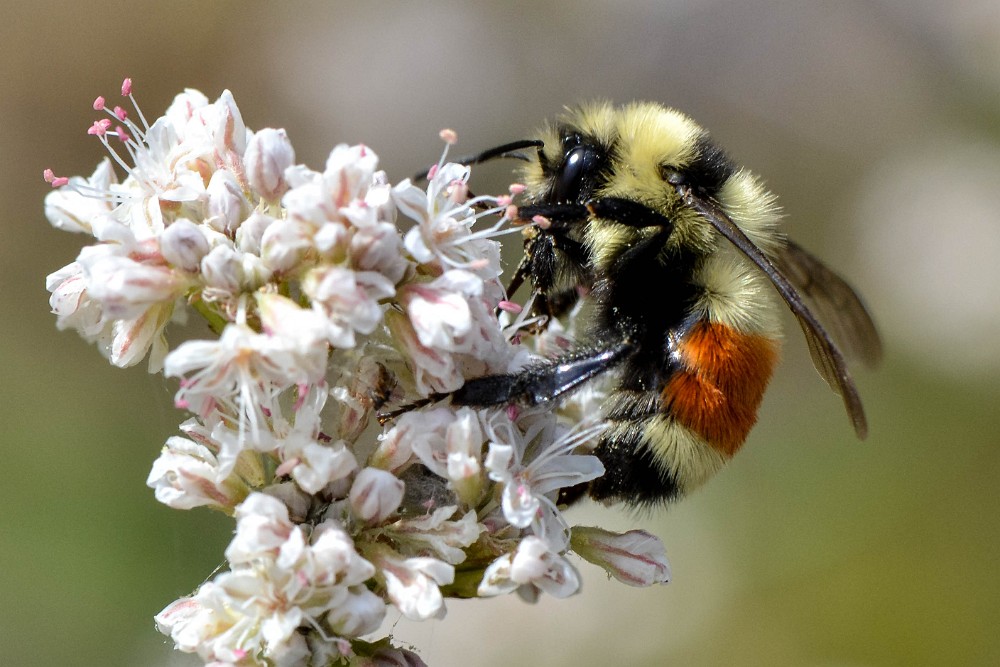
717, 392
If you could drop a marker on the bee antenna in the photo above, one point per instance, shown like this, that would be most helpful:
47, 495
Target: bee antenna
504, 150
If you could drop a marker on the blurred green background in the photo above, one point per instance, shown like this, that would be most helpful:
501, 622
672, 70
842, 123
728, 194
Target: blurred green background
876, 122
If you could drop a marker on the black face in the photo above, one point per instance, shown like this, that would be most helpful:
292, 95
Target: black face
580, 171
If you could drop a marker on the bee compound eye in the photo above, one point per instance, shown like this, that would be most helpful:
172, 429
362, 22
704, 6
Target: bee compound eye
578, 168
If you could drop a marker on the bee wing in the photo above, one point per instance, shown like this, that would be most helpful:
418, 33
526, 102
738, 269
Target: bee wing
834, 302
828, 359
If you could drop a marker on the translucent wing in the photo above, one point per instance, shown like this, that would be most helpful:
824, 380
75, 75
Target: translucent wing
827, 357
834, 302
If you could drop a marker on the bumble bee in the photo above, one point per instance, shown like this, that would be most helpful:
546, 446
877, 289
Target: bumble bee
678, 249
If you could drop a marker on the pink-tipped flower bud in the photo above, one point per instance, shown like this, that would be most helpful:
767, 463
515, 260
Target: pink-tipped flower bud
268, 154
636, 558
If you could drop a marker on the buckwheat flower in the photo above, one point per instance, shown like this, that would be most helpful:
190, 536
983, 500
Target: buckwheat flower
306, 454
437, 533
262, 527
242, 372
187, 475
434, 371
375, 495
284, 583
72, 305
349, 300
303, 330
318, 198
439, 310
533, 466
412, 584
183, 245
533, 567
227, 205
73, 207
449, 443
444, 216
269, 152
636, 558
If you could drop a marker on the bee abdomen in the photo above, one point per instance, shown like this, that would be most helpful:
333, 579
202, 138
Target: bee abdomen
663, 443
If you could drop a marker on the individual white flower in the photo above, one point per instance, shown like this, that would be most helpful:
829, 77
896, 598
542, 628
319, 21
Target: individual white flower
434, 371
412, 583
183, 245
360, 613
318, 198
187, 475
127, 288
242, 372
439, 310
375, 246
306, 453
436, 533
532, 466
444, 216
375, 495
227, 205
75, 206
303, 330
636, 557
262, 527
449, 443
349, 300
268, 154
531, 568
72, 305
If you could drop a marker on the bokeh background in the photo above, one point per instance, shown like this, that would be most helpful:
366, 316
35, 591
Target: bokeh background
877, 122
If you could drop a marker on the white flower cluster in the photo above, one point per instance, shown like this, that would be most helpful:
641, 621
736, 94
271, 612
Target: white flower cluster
323, 312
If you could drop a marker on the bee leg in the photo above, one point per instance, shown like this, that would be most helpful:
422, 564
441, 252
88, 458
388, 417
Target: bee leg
544, 381
628, 212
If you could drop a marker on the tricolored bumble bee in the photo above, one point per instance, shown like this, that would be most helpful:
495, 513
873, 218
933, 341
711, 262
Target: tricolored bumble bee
680, 252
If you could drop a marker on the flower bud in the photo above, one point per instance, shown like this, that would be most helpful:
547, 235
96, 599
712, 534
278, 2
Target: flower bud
227, 207
636, 558
250, 233
360, 614
268, 154
222, 269
183, 245
375, 495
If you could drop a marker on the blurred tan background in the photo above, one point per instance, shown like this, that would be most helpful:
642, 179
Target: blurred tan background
878, 124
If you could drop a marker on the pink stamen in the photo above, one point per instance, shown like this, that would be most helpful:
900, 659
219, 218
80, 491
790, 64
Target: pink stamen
448, 136
511, 212
55, 181
363, 150
431, 172
100, 127
287, 466
121, 113
99, 103
504, 200
512, 412
182, 404
126, 87
517, 188
542, 221
122, 134
509, 306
